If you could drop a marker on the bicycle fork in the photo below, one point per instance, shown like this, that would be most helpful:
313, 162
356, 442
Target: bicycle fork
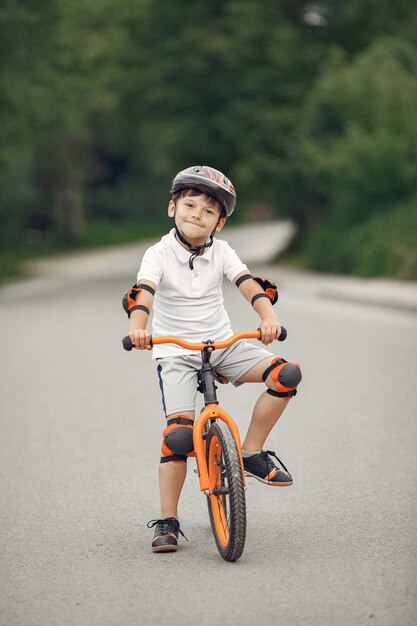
212, 412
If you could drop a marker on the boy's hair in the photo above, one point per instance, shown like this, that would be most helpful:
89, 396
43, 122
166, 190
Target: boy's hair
192, 191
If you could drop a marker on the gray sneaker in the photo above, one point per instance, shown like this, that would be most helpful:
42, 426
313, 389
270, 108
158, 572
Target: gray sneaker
165, 538
262, 467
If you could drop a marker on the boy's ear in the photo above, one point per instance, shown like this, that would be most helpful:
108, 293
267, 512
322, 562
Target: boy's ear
220, 225
171, 208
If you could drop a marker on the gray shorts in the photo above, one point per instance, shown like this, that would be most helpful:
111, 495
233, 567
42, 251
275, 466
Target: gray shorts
178, 374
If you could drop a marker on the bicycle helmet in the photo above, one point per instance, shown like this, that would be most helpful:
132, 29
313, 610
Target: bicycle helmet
210, 181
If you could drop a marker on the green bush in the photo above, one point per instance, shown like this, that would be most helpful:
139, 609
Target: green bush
384, 245
387, 244
359, 149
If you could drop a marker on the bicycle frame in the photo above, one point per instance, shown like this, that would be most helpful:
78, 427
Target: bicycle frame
212, 410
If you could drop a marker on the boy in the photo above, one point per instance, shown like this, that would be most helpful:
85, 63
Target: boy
181, 277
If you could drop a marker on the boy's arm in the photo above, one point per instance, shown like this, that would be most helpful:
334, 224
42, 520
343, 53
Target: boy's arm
269, 326
139, 336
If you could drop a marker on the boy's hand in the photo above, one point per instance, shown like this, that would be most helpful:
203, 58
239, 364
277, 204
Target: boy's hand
270, 329
140, 338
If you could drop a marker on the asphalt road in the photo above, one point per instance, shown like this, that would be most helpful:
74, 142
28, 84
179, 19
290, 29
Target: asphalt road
81, 423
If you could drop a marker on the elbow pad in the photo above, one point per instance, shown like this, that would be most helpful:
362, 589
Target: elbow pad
129, 299
269, 287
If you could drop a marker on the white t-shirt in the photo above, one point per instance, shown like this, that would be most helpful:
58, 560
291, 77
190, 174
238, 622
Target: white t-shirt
189, 303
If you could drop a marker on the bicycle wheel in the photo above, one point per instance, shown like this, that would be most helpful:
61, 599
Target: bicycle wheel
227, 506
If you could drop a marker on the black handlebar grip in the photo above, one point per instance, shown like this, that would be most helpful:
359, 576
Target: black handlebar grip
127, 344
283, 334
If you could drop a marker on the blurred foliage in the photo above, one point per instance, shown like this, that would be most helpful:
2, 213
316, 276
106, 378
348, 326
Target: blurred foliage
308, 107
358, 150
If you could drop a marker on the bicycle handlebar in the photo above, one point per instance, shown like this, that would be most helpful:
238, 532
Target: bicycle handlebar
217, 345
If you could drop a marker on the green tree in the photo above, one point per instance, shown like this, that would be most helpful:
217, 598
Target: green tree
359, 152
57, 72
102, 102
218, 82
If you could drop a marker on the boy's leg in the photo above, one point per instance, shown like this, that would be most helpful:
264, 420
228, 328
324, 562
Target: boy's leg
171, 480
172, 473
178, 384
267, 411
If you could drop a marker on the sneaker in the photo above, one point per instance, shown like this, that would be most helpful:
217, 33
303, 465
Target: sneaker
262, 467
165, 538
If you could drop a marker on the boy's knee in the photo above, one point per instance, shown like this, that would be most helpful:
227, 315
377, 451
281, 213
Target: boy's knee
282, 378
177, 440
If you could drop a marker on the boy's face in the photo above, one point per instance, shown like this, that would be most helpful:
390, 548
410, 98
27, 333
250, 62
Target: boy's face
196, 216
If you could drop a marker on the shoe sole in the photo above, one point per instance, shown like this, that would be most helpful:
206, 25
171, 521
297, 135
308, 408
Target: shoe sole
164, 548
268, 482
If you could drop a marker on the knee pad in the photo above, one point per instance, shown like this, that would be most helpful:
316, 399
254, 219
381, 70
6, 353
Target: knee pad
286, 377
177, 442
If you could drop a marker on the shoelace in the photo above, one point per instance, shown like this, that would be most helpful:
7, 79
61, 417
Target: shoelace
269, 463
168, 525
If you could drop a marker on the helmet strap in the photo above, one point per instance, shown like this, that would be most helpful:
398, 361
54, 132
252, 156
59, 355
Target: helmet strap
195, 249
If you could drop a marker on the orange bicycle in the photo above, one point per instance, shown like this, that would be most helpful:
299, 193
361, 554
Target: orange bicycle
218, 449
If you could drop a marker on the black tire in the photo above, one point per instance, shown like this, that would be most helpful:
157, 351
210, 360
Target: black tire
227, 509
